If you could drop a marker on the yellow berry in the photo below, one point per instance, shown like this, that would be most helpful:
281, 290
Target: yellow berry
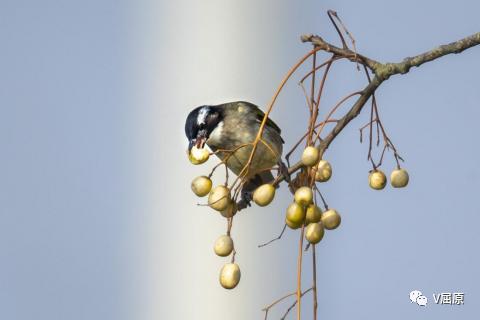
331, 219
201, 186
192, 159
223, 246
314, 232
198, 156
313, 214
219, 198
264, 194
399, 178
231, 209
295, 213
292, 225
323, 171
230, 275
310, 156
377, 179
303, 196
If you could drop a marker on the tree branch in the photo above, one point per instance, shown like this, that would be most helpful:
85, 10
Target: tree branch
318, 42
386, 70
382, 72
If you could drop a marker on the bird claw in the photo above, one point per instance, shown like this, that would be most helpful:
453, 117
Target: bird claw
283, 170
245, 201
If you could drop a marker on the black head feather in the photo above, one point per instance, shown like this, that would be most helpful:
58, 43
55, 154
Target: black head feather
200, 122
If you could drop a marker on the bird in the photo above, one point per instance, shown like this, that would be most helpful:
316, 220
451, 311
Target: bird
232, 127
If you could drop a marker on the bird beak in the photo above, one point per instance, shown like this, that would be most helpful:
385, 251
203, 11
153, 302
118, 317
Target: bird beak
201, 139
191, 143
200, 142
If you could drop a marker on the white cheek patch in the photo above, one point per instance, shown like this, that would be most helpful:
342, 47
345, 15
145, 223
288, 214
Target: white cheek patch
217, 133
202, 115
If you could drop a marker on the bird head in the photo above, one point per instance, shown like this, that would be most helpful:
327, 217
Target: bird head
200, 123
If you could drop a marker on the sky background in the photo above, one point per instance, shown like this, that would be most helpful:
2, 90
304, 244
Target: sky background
97, 220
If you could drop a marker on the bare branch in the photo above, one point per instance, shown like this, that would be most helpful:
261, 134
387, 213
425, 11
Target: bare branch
293, 304
353, 56
387, 70
275, 239
382, 72
299, 273
267, 308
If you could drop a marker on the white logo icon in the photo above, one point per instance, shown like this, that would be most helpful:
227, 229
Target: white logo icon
417, 297
422, 301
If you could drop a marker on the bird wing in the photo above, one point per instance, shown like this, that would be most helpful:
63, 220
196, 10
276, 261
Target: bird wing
259, 115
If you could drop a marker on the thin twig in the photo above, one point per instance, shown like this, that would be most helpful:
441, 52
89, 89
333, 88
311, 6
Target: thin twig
333, 13
333, 111
352, 39
267, 308
325, 205
294, 304
278, 301
312, 89
334, 58
314, 286
277, 238
299, 273
295, 146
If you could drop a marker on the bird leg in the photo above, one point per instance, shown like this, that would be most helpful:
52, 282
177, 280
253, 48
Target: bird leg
283, 170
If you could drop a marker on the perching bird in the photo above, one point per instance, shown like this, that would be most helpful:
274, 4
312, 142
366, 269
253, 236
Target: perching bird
230, 125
